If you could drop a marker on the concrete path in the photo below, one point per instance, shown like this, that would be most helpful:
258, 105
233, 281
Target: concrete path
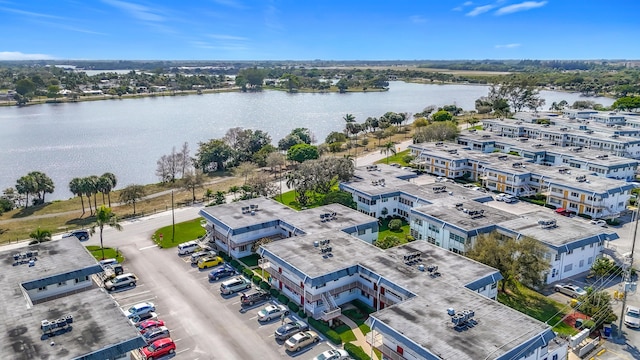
360, 337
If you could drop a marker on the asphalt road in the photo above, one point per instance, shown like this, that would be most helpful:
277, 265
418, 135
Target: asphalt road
203, 324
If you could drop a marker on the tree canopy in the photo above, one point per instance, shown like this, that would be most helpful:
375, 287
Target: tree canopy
212, 155
302, 153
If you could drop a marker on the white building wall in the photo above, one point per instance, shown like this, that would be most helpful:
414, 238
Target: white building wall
57, 289
579, 261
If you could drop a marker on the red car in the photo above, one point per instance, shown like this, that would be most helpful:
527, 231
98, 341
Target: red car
147, 324
158, 348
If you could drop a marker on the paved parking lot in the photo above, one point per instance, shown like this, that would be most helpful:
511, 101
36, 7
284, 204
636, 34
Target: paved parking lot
203, 323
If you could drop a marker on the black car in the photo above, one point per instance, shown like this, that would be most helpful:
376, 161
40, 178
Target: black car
80, 234
254, 297
292, 327
221, 272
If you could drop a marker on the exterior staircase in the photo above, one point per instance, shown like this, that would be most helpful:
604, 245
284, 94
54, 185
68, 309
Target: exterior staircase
332, 310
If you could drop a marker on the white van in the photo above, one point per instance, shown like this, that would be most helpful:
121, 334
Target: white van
234, 285
188, 247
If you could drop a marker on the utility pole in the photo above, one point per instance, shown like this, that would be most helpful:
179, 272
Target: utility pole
173, 220
627, 285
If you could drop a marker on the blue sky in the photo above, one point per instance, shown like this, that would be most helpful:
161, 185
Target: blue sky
319, 29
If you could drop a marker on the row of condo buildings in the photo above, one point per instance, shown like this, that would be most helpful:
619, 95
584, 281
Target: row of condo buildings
430, 302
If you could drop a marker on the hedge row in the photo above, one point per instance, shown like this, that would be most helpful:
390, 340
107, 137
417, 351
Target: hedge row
333, 336
274, 292
256, 279
356, 352
302, 314
283, 299
293, 306
247, 273
265, 285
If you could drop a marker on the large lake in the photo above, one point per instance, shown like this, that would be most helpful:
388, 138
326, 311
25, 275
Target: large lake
126, 137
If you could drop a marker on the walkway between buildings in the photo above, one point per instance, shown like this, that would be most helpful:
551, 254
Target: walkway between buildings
361, 340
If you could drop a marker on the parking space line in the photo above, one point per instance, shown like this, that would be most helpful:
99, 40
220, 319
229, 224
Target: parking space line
148, 247
176, 340
132, 295
137, 302
181, 351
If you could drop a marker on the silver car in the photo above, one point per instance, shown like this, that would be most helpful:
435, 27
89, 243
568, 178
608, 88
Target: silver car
570, 290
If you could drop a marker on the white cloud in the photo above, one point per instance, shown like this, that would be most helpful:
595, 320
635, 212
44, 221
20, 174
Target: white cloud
16, 55
29, 13
417, 19
230, 3
523, 6
139, 12
507, 46
480, 10
461, 7
227, 37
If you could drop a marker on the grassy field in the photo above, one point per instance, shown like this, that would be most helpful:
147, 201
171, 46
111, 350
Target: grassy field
397, 158
289, 199
384, 231
538, 307
109, 253
62, 216
185, 231
345, 332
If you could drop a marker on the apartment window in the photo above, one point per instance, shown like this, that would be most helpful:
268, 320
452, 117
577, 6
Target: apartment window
418, 222
434, 228
581, 264
590, 260
63, 283
42, 288
78, 280
568, 268
558, 257
494, 285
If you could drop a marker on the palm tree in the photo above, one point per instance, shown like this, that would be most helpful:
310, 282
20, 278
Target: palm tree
40, 235
102, 185
26, 185
113, 181
104, 216
75, 186
387, 148
349, 119
234, 190
89, 188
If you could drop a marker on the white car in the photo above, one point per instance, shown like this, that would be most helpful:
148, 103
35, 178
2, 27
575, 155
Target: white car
570, 290
598, 222
632, 317
272, 312
140, 309
337, 354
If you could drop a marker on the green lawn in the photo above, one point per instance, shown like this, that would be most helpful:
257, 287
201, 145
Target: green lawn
397, 158
109, 253
185, 231
359, 318
383, 231
346, 334
289, 199
539, 307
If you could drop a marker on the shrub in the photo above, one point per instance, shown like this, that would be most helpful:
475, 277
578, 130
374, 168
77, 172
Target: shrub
363, 307
302, 314
356, 352
395, 224
322, 327
265, 286
240, 268
283, 299
293, 306
407, 158
410, 238
613, 222
256, 279
234, 263
365, 141
248, 273
274, 292
585, 216
550, 206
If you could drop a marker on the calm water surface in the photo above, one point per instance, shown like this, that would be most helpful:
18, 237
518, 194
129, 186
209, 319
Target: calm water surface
126, 137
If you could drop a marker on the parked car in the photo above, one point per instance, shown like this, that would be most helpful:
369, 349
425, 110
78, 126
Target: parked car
565, 212
209, 261
255, 297
107, 262
395, 165
598, 222
113, 270
234, 285
632, 316
272, 312
188, 247
156, 333
221, 272
138, 319
82, 235
121, 281
149, 324
337, 354
301, 339
196, 256
288, 329
139, 309
570, 290
158, 348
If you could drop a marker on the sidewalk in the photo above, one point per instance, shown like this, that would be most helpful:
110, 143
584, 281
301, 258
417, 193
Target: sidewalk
360, 337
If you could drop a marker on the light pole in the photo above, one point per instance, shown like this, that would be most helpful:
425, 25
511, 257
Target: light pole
173, 220
626, 281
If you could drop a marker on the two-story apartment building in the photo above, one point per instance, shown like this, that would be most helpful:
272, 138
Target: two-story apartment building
430, 303
51, 308
235, 227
